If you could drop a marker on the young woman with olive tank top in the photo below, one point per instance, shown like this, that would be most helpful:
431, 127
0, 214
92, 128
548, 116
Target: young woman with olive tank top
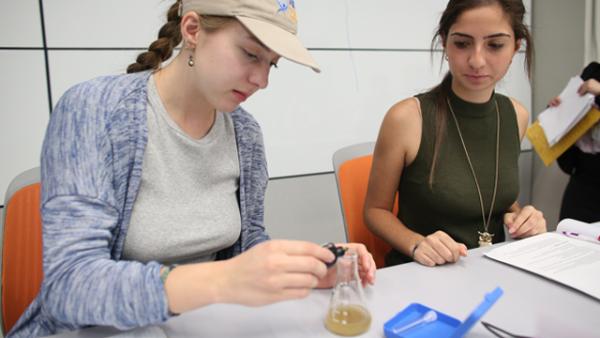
452, 153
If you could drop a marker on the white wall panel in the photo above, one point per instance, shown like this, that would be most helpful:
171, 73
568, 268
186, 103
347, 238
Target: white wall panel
368, 23
24, 113
20, 24
403, 24
399, 24
306, 117
106, 23
68, 68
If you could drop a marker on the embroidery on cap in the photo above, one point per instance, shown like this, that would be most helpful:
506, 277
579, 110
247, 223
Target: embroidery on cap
288, 7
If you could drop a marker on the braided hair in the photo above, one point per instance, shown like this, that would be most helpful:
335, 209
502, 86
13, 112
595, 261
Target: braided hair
161, 49
170, 37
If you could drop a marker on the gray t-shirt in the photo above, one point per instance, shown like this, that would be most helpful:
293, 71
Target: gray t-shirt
187, 208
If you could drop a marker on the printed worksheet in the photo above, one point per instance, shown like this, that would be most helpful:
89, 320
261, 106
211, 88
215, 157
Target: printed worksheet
567, 260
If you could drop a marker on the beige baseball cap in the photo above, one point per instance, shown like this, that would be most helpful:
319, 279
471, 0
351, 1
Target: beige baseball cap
273, 22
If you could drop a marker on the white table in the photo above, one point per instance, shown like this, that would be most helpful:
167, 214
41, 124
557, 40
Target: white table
531, 306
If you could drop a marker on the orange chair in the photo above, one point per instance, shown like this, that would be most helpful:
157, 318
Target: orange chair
21, 231
352, 166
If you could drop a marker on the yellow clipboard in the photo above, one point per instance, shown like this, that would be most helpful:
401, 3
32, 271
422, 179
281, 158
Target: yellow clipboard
548, 154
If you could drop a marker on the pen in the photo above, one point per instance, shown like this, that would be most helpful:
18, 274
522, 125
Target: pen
581, 236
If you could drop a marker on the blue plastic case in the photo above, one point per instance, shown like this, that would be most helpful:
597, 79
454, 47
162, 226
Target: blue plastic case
442, 326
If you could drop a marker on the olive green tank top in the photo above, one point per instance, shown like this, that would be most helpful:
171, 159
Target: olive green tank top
451, 203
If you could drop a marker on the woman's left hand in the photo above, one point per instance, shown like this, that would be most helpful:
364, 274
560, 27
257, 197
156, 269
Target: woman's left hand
591, 86
525, 222
366, 266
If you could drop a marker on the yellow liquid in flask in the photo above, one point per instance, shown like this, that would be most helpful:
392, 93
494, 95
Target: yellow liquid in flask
348, 320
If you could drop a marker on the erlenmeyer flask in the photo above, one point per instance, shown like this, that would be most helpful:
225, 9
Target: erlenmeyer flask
348, 314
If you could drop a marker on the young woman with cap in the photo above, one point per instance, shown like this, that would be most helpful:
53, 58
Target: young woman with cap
153, 182
452, 153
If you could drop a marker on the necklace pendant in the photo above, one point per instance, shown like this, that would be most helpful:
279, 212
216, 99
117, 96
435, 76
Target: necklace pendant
485, 238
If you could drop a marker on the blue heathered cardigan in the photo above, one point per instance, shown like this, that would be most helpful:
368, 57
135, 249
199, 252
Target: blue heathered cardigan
91, 169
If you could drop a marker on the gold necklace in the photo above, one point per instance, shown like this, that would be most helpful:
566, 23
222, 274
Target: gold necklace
485, 238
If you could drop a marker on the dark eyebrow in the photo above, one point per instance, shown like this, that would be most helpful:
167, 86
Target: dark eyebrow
491, 36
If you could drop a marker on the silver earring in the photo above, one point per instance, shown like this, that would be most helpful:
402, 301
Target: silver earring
191, 61
446, 57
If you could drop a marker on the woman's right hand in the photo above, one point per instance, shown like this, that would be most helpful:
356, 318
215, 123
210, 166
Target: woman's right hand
437, 249
273, 271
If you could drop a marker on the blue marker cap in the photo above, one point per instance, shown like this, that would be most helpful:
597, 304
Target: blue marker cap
480, 310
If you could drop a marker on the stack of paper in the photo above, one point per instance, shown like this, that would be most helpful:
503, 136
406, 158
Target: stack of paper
564, 259
558, 128
557, 121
